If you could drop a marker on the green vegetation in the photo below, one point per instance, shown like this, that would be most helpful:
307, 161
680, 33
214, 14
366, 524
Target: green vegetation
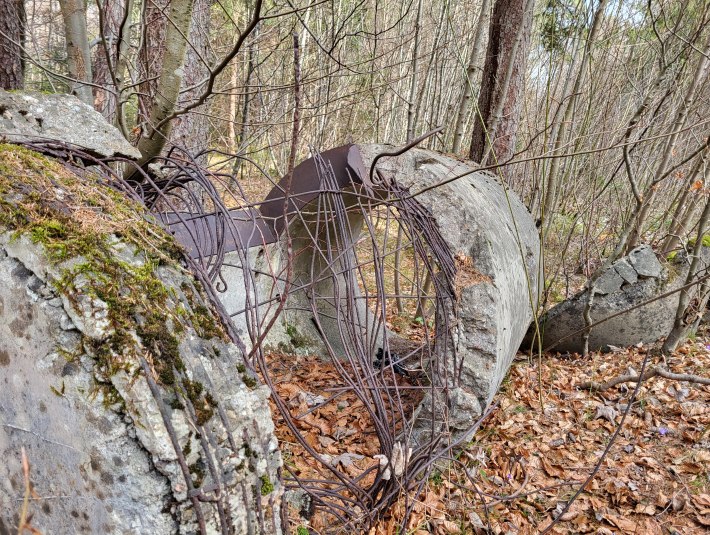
249, 381
104, 249
705, 242
267, 487
297, 339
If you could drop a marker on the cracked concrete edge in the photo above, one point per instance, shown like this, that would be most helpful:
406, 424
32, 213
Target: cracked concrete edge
135, 393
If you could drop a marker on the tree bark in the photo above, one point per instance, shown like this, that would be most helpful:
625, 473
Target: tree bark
553, 178
502, 81
150, 57
167, 89
413, 86
77, 44
191, 131
473, 66
12, 34
688, 316
115, 18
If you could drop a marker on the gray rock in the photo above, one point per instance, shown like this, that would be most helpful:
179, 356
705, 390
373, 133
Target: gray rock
645, 277
30, 116
625, 271
609, 282
644, 261
101, 455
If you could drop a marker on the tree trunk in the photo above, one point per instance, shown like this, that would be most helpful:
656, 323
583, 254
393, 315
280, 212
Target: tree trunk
474, 64
12, 36
687, 316
192, 130
681, 220
114, 21
241, 138
166, 91
502, 80
150, 57
553, 178
233, 105
428, 86
77, 44
413, 86
681, 117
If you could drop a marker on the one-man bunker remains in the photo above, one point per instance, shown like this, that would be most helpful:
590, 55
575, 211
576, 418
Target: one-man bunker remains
471, 238
115, 335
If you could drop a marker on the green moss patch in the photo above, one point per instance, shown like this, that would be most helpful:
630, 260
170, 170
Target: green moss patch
298, 340
706, 241
267, 487
115, 255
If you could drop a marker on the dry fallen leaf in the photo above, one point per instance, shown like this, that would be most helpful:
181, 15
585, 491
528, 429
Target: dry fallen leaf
621, 522
678, 502
645, 509
521, 442
606, 412
702, 500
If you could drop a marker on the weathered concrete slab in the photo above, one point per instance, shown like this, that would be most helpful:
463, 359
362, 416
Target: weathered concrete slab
32, 116
490, 236
251, 294
627, 283
495, 244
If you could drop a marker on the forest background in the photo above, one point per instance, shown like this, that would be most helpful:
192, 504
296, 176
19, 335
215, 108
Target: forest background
595, 112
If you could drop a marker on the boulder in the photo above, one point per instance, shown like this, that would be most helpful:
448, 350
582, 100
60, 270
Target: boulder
628, 282
135, 411
32, 116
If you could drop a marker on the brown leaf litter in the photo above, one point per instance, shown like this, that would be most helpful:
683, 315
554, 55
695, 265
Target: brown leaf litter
527, 461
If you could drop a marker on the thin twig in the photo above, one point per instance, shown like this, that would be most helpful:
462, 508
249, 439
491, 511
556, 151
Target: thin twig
598, 465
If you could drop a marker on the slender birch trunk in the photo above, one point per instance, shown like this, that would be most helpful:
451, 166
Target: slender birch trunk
77, 44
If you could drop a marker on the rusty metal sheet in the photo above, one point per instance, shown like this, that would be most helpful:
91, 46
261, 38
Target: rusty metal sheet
348, 168
203, 233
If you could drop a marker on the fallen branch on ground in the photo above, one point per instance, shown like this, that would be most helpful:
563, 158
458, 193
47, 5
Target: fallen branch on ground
653, 372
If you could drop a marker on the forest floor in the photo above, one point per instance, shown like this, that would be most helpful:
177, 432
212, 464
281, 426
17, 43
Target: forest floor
528, 460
